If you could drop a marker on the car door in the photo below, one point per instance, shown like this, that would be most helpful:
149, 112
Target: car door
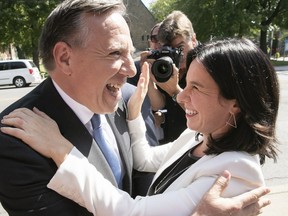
5, 77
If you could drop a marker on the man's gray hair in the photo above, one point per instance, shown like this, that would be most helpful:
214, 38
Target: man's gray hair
66, 23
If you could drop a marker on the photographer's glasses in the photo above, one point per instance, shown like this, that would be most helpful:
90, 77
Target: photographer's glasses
154, 38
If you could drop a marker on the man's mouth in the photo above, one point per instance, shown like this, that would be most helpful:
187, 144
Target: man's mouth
113, 88
191, 112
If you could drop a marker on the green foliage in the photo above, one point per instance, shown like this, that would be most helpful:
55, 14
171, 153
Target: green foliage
21, 22
161, 8
227, 18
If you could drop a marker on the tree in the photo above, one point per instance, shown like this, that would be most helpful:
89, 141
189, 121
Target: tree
271, 12
21, 22
161, 8
229, 18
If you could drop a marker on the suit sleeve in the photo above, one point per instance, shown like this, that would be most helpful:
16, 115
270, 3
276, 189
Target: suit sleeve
23, 179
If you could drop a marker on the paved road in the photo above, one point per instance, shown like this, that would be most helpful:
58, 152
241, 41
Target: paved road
276, 175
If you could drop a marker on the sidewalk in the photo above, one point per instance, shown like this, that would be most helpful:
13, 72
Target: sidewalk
281, 68
279, 198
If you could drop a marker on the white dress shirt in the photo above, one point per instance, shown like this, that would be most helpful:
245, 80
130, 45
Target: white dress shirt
85, 115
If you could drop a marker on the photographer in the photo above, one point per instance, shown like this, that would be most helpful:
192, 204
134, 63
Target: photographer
155, 129
175, 34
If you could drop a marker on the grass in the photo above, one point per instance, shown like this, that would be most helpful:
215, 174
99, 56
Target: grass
279, 62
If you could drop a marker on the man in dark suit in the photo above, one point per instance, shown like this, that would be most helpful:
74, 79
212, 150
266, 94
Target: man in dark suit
87, 70
86, 48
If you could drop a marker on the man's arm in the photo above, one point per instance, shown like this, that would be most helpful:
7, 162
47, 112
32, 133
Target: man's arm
249, 203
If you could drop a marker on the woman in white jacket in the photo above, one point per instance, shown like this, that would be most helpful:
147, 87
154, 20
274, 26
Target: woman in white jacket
231, 100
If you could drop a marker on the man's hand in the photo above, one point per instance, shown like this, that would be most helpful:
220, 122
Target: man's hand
247, 204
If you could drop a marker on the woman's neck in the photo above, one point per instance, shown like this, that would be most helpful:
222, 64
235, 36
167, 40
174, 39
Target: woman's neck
198, 151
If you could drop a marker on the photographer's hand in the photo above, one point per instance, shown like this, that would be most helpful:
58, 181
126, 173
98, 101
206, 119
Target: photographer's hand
143, 58
171, 86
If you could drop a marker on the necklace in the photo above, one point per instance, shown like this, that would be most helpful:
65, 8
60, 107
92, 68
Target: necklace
175, 170
159, 186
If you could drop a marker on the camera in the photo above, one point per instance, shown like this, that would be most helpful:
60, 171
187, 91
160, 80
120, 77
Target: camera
162, 67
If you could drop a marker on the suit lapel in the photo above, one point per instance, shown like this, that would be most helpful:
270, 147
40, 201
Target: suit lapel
118, 124
73, 129
69, 124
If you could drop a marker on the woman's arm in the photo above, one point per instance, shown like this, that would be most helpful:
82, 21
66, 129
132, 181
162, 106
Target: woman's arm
78, 180
146, 158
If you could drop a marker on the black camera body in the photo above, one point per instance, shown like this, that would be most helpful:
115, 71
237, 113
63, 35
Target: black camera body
162, 68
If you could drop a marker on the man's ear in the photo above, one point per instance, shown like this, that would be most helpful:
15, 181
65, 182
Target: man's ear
62, 55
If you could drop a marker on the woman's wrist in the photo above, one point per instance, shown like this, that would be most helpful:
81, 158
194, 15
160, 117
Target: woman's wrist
59, 154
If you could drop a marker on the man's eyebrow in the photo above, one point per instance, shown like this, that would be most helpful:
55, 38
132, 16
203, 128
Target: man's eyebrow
180, 44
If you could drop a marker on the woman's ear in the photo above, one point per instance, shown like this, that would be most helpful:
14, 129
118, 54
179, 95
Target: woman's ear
62, 53
235, 107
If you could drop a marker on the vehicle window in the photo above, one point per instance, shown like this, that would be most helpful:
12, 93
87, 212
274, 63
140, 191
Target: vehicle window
32, 64
17, 65
4, 66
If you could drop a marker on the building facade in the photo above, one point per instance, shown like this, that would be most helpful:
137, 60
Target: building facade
141, 22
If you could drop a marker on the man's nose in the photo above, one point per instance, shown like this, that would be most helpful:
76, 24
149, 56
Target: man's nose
129, 68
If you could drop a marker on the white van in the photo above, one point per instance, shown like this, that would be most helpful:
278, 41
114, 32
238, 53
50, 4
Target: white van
20, 72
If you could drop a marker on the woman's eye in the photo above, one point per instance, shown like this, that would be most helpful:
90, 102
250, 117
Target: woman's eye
195, 88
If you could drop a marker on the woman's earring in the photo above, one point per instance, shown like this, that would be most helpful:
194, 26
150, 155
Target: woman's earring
234, 123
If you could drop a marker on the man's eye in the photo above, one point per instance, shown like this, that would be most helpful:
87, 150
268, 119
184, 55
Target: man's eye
116, 53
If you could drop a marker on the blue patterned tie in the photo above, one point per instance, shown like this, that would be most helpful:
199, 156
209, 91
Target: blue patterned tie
107, 150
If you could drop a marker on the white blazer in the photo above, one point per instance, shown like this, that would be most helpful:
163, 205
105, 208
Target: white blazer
81, 182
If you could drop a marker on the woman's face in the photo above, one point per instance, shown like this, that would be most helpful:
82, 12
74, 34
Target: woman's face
206, 110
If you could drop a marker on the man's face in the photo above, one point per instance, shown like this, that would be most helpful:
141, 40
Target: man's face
154, 42
99, 70
185, 44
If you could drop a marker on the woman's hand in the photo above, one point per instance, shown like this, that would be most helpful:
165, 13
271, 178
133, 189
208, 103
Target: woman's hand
136, 100
39, 131
246, 204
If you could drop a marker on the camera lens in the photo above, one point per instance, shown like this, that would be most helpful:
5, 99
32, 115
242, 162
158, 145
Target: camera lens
162, 69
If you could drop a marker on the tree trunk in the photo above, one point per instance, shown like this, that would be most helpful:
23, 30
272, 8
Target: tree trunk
36, 57
263, 40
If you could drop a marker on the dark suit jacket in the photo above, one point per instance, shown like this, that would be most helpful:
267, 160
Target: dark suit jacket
24, 173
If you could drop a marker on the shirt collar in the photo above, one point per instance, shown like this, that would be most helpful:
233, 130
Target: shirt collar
82, 112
